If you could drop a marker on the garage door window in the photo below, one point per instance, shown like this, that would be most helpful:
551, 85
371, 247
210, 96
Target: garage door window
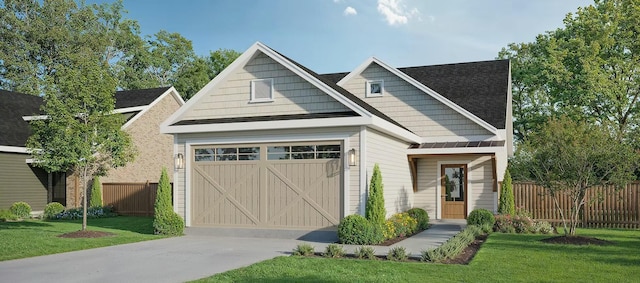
227, 154
303, 152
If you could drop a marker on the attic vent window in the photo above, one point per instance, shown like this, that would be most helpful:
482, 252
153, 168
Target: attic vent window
262, 90
375, 88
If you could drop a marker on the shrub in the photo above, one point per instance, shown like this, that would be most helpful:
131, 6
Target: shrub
375, 211
403, 224
397, 254
96, 193
333, 251
21, 209
421, 216
542, 227
53, 209
480, 216
507, 203
92, 212
389, 229
7, 215
522, 224
356, 230
454, 246
366, 253
503, 224
521, 211
486, 228
304, 250
165, 220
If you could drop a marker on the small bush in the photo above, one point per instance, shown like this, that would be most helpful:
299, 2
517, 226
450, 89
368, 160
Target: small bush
388, 230
356, 230
165, 220
506, 204
542, 227
421, 216
397, 254
304, 250
92, 212
522, 224
374, 209
403, 224
366, 253
486, 228
333, 251
7, 215
96, 193
503, 224
53, 209
480, 216
21, 209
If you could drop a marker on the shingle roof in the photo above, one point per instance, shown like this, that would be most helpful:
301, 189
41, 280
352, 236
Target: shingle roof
14, 131
479, 87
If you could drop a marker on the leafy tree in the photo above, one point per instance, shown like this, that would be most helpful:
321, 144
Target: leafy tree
588, 70
165, 220
375, 210
197, 73
507, 203
570, 157
80, 133
220, 59
96, 193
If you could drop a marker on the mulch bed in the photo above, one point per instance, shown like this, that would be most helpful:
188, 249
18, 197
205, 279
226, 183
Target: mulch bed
577, 240
86, 234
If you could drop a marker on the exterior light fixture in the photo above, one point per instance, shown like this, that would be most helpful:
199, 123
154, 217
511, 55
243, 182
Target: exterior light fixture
178, 161
352, 157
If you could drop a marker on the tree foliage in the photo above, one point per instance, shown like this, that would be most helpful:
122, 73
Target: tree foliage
587, 70
35, 32
569, 157
165, 220
375, 210
507, 203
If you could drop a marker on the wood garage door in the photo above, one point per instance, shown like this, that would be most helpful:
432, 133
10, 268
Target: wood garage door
268, 186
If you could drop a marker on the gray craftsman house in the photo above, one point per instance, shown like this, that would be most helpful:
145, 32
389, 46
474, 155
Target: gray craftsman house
269, 143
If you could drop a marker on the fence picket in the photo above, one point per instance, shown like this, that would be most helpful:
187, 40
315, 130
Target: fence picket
135, 199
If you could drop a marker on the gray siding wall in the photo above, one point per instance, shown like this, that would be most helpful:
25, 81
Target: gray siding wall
255, 137
479, 179
411, 107
21, 182
391, 156
292, 94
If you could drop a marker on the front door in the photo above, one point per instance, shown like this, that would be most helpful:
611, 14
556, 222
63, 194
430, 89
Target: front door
454, 191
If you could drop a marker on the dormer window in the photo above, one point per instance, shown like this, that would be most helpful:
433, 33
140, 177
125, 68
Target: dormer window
375, 88
262, 90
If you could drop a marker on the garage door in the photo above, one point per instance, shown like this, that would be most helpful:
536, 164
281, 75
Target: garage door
267, 185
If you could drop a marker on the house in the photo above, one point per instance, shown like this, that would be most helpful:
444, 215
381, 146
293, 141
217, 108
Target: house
144, 110
269, 143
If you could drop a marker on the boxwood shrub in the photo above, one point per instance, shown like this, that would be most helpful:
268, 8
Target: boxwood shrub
480, 216
52, 209
21, 209
356, 230
421, 216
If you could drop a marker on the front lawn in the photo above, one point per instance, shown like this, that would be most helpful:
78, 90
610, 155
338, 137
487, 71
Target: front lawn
502, 258
34, 237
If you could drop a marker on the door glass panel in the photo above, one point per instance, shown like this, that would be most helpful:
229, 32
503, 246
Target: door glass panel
454, 183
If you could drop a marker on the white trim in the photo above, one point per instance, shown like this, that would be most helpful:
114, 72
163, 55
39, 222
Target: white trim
28, 161
455, 150
131, 109
463, 138
368, 88
144, 109
343, 137
266, 125
345, 177
421, 87
14, 149
439, 189
363, 169
253, 98
35, 117
393, 130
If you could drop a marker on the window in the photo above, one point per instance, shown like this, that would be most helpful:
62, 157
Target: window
227, 154
375, 88
331, 151
262, 90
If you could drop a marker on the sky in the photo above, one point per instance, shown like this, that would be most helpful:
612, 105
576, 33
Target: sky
338, 35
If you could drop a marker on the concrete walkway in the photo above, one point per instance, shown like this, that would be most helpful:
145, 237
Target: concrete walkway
201, 253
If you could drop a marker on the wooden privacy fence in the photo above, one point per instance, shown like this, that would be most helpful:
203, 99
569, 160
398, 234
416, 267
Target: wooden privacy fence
604, 207
135, 199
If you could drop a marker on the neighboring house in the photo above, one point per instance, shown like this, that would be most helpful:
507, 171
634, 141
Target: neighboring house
144, 111
269, 143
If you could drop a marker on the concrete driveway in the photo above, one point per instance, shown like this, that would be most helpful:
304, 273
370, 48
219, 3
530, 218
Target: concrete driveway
179, 259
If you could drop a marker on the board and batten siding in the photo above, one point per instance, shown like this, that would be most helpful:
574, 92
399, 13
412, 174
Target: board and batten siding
479, 180
269, 136
414, 109
391, 156
21, 182
291, 94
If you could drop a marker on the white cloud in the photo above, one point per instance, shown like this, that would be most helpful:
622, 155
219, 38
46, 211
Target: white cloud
350, 11
337, 1
396, 13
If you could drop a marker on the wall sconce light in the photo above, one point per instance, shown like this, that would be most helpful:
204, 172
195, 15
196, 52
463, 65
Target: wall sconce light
178, 161
352, 157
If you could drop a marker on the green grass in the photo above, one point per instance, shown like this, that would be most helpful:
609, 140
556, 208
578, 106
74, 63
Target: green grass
503, 258
34, 237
